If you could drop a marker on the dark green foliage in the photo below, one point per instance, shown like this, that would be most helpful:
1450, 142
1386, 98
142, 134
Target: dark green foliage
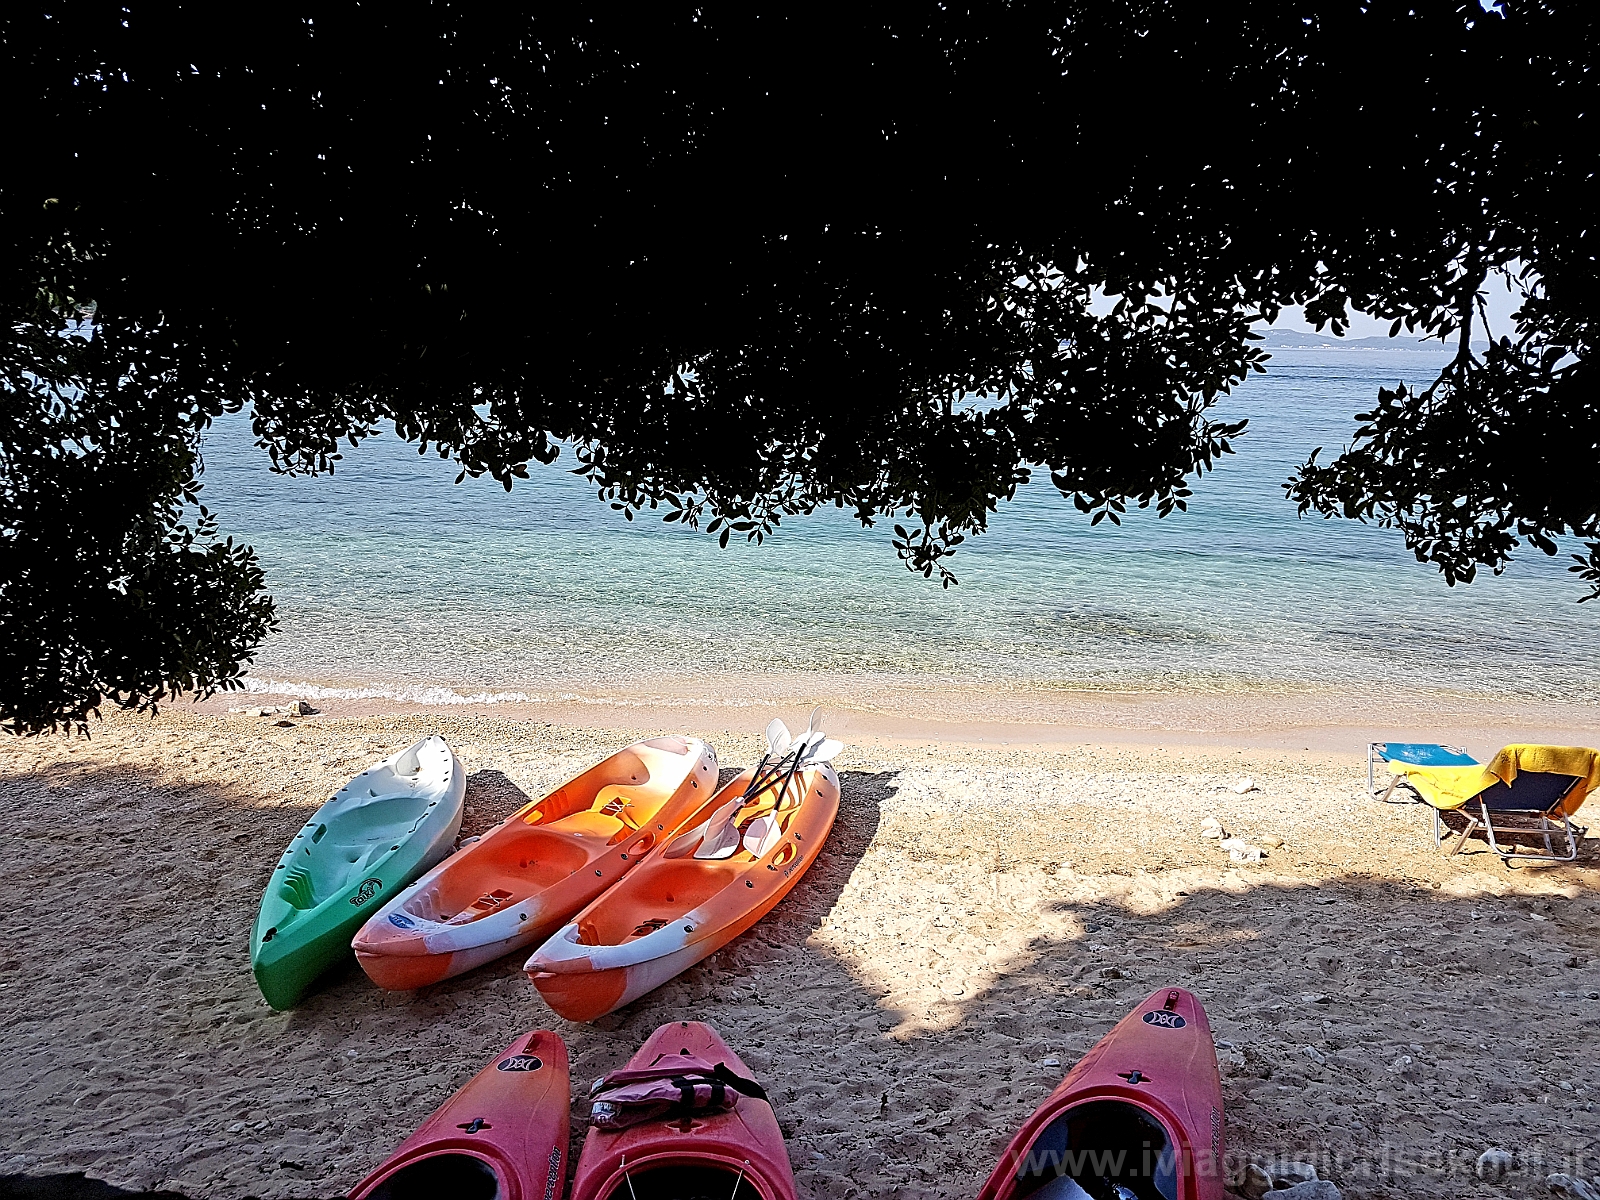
105, 592
743, 264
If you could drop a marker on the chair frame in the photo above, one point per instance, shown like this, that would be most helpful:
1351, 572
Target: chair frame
1513, 821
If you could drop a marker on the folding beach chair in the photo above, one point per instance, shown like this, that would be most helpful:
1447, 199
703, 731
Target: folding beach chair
1419, 754
1524, 792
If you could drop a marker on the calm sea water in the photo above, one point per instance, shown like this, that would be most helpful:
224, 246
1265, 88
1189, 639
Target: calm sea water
391, 578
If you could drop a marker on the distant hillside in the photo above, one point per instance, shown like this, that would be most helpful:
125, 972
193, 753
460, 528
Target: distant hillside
1300, 339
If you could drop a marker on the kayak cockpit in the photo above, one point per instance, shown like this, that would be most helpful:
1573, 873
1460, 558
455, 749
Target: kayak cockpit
1103, 1150
458, 1176
685, 1182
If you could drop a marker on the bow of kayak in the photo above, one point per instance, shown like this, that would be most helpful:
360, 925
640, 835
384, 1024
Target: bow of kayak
1139, 1118
501, 1137
738, 1153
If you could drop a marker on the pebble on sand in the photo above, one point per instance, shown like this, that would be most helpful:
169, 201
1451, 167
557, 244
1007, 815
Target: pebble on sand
1256, 1182
1576, 1189
1244, 785
1493, 1164
1286, 1173
1237, 843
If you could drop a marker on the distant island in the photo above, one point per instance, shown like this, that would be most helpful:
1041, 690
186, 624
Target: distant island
1300, 339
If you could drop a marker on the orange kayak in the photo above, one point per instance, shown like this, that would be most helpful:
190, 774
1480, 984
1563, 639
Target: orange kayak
503, 1135
538, 867
742, 852
737, 1152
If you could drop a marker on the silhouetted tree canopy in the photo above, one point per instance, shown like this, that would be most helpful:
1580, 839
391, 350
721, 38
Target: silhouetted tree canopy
743, 264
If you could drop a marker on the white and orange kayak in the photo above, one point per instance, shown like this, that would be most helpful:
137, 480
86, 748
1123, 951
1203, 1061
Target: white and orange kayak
538, 867
742, 852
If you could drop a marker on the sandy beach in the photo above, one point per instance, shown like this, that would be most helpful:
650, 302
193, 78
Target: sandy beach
983, 913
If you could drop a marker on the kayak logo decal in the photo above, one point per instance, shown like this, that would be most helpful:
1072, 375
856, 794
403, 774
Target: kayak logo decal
554, 1175
367, 890
520, 1062
1162, 1019
401, 921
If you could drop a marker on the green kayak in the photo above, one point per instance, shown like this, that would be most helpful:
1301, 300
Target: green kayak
389, 825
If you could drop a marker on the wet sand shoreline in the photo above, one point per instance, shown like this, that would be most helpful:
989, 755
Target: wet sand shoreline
892, 711
981, 915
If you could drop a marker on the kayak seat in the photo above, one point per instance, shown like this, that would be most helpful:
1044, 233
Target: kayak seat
1095, 1148
588, 824
519, 860
353, 840
616, 800
624, 777
649, 903
386, 818
490, 902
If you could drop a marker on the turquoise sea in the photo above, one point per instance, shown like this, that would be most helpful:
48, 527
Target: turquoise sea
393, 581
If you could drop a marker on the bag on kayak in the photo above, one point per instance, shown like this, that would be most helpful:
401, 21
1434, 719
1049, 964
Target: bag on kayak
677, 1085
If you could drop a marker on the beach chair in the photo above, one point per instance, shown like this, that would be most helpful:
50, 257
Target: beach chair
1419, 754
1524, 793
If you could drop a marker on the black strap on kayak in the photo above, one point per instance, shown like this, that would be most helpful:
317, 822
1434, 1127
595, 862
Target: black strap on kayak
745, 1087
685, 1088
721, 1079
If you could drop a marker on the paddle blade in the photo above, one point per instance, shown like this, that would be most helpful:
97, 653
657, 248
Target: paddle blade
718, 837
686, 842
721, 842
825, 752
761, 835
777, 737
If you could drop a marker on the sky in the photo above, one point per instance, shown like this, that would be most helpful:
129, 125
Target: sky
1502, 303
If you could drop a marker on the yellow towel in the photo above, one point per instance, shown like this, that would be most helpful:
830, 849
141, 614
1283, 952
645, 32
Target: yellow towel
1451, 787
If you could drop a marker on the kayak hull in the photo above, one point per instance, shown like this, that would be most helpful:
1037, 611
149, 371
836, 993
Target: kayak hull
528, 875
506, 1130
1142, 1109
383, 829
744, 1145
672, 912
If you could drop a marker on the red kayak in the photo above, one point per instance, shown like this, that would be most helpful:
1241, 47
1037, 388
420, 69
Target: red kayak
1140, 1118
716, 1137
502, 1137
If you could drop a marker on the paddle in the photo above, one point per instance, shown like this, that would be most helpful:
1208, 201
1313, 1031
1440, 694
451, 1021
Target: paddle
718, 837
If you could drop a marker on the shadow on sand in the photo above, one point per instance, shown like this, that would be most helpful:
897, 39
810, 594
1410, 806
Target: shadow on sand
905, 1014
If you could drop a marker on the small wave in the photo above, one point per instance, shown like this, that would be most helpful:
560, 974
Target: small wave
434, 694
413, 695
